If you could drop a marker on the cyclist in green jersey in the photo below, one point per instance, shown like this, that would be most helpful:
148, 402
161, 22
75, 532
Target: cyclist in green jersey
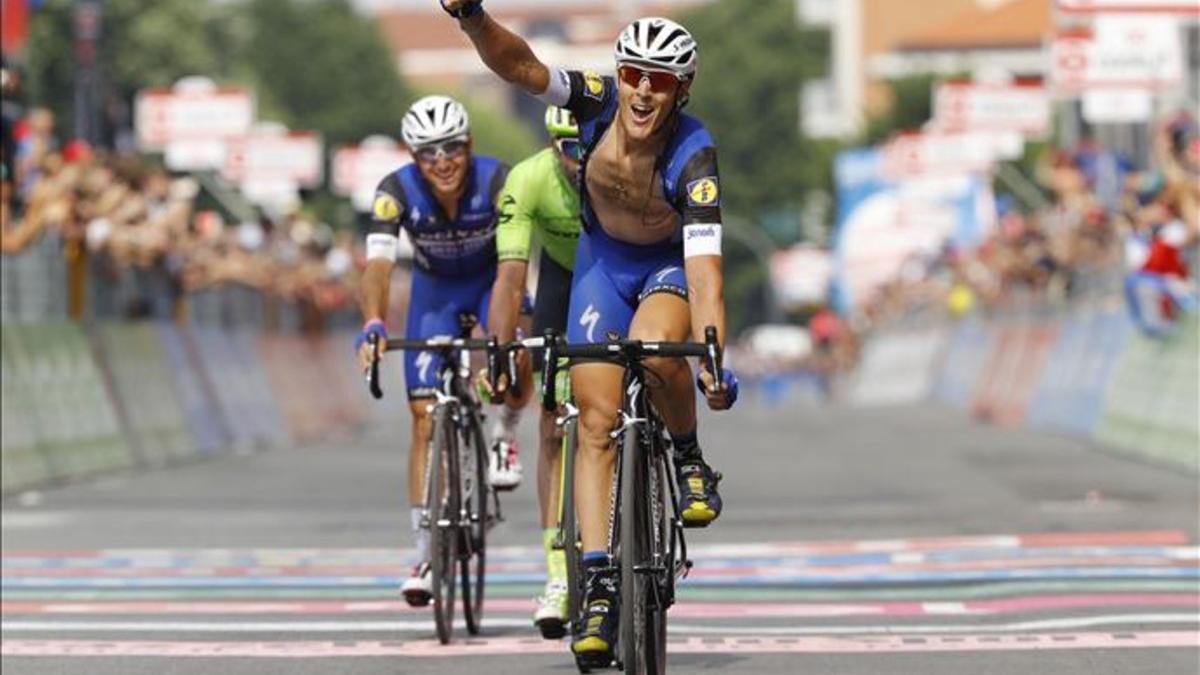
540, 198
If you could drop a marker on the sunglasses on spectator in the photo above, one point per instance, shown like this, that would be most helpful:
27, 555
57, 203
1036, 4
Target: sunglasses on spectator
660, 81
447, 149
570, 148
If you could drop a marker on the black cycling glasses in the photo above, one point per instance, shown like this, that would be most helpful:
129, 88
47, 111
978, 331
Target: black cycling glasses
570, 148
429, 154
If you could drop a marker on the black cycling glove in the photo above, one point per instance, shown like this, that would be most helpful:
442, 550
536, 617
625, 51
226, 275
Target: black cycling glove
467, 9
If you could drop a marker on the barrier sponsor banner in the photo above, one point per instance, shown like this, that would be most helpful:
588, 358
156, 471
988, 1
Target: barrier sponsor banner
244, 397
21, 460
196, 395
1019, 351
62, 424
1070, 392
962, 363
312, 382
145, 385
1151, 401
294, 371
897, 368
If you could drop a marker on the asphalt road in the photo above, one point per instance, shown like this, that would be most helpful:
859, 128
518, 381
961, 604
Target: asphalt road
854, 541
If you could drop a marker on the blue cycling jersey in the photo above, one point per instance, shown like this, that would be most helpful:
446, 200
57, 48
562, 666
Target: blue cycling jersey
613, 277
687, 167
462, 247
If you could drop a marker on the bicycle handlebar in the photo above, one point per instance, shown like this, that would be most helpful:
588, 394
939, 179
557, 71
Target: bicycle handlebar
622, 351
444, 344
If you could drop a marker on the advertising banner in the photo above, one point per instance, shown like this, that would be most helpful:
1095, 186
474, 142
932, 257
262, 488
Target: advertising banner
192, 121
889, 226
977, 106
1120, 51
357, 169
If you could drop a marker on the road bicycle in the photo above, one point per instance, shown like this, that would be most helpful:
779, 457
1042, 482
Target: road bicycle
646, 540
459, 505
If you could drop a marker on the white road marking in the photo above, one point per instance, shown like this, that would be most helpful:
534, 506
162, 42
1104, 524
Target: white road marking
425, 625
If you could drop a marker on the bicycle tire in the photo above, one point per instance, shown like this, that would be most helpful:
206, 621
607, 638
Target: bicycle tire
443, 521
473, 565
639, 630
569, 527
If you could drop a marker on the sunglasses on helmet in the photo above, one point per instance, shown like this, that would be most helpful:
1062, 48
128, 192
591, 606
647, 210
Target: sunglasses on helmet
569, 147
452, 149
660, 81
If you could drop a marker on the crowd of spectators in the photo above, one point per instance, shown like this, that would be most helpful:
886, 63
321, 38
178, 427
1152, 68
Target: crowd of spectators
1103, 221
137, 241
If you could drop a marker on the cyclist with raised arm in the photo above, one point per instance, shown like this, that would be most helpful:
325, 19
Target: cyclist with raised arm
540, 199
648, 265
446, 201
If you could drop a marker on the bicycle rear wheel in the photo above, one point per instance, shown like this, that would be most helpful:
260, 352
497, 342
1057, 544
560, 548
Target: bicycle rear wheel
643, 619
444, 499
474, 553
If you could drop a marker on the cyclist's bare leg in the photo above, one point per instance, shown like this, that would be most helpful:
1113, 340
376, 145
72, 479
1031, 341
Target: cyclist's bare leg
666, 317
549, 468
597, 390
422, 428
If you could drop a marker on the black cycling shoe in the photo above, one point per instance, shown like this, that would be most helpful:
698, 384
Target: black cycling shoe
596, 633
699, 503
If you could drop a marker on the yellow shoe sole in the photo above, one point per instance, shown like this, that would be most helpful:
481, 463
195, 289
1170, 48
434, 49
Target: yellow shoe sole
698, 514
590, 645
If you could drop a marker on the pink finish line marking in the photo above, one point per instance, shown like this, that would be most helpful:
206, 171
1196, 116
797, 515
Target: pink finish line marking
688, 610
525, 646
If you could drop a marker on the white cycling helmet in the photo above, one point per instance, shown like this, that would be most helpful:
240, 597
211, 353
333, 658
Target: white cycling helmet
432, 119
660, 44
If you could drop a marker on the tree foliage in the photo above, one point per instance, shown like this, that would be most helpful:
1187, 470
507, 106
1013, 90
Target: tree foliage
319, 65
911, 107
142, 44
754, 57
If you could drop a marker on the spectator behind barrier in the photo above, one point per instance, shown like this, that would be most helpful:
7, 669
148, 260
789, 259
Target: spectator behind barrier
134, 244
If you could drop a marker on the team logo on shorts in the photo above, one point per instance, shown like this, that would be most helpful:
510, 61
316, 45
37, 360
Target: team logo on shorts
385, 207
703, 192
592, 84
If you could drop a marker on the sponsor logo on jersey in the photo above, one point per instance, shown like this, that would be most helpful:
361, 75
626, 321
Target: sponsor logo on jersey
703, 192
592, 84
507, 204
385, 207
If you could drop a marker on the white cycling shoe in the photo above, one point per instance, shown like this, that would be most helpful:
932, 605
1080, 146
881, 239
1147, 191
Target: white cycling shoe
504, 465
551, 614
418, 588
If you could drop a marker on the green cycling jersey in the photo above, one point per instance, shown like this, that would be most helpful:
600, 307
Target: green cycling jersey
538, 197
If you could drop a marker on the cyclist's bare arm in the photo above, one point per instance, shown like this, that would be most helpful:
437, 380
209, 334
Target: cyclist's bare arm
375, 283
387, 220
507, 294
504, 52
706, 295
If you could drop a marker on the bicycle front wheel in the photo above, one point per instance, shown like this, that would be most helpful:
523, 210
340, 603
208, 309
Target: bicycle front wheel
444, 499
569, 528
474, 541
643, 613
